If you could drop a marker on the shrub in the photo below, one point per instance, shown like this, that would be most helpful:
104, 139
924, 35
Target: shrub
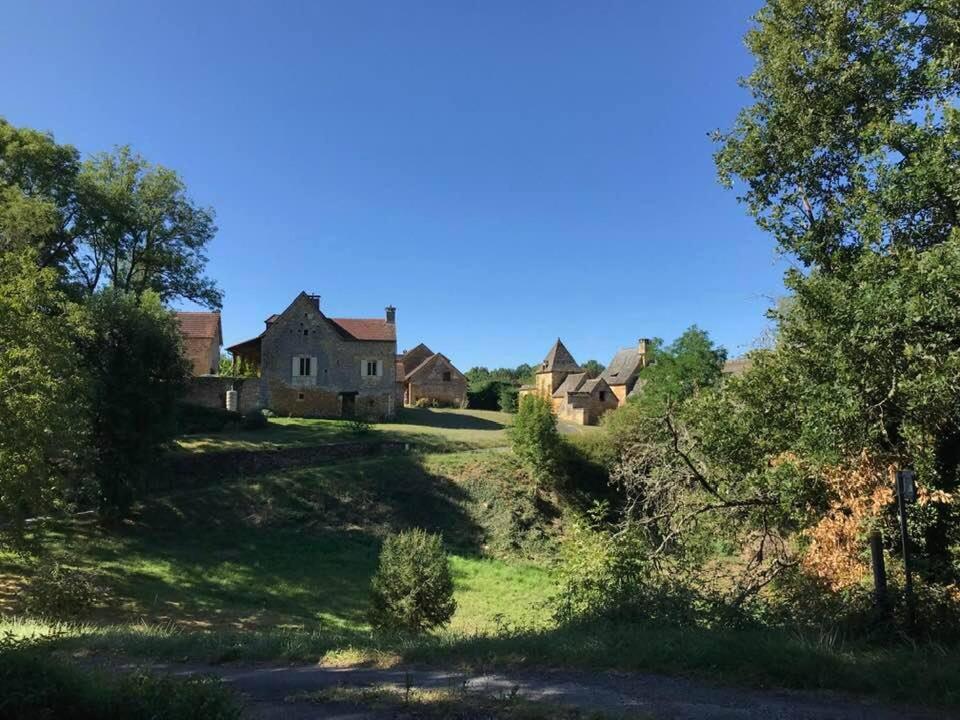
254, 420
62, 593
359, 426
422, 402
509, 395
200, 419
536, 440
486, 395
412, 590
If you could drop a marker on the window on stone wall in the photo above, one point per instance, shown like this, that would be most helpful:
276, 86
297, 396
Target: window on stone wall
446, 376
304, 366
371, 368
305, 332
603, 395
299, 396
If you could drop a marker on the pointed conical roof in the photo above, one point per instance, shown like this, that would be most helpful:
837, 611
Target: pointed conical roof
559, 359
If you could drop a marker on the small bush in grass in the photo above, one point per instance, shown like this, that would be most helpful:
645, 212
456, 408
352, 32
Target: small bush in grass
412, 590
62, 593
254, 420
359, 426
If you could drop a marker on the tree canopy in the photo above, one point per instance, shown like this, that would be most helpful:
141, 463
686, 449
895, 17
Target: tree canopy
852, 141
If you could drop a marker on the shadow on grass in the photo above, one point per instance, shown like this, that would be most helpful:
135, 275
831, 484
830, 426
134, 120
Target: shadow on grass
290, 549
447, 420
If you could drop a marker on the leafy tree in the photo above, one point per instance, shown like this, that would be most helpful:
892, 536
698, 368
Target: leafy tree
594, 368
38, 204
535, 439
111, 220
852, 142
42, 401
412, 590
138, 374
142, 232
850, 154
678, 370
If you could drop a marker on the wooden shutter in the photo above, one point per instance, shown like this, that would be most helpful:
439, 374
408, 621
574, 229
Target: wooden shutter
313, 366
296, 365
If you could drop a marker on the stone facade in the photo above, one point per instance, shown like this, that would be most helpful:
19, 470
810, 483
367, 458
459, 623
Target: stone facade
578, 398
211, 391
431, 376
315, 366
438, 381
202, 338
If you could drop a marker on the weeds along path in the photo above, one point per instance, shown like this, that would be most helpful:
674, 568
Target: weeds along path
273, 693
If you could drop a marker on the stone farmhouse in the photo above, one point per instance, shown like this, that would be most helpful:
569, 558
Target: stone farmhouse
426, 375
312, 365
202, 337
582, 400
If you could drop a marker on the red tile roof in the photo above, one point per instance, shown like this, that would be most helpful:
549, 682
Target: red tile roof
368, 329
200, 325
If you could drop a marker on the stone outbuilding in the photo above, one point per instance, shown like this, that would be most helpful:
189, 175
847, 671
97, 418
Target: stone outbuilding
583, 400
202, 336
624, 369
312, 365
573, 395
431, 376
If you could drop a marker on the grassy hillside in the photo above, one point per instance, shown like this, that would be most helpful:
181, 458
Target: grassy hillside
297, 549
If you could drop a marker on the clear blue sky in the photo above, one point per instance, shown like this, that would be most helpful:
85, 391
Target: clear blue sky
502, 172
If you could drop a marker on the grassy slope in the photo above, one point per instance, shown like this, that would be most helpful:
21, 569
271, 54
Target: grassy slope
297, 549
278, 568
431, 429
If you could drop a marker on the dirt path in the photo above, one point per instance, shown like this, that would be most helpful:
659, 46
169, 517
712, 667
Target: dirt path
656, 696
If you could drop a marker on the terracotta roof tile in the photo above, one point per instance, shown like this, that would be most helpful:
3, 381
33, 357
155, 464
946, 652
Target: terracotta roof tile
368, 328
200, 324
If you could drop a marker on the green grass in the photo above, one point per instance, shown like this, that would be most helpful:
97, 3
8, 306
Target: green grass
435, 430
277, 568
297, 549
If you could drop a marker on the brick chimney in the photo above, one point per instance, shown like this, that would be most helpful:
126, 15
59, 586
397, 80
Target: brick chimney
391, 314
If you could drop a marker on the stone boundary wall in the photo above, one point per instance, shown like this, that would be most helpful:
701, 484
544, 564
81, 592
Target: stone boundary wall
211, 391
202, 468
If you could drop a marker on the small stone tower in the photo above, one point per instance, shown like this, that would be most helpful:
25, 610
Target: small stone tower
554, 369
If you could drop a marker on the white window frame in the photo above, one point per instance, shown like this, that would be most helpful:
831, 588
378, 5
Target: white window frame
301, 363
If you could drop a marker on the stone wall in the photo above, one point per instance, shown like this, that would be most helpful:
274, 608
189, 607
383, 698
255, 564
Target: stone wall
337, 365
203, 355
187, 470
429, 383
211, 391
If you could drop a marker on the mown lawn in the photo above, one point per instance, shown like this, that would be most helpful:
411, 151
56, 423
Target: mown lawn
436, 430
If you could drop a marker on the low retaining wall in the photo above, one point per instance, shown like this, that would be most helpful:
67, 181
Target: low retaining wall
211, 391
200, 468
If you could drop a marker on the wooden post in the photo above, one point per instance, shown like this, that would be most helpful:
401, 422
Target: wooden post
905, 544
879, 571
